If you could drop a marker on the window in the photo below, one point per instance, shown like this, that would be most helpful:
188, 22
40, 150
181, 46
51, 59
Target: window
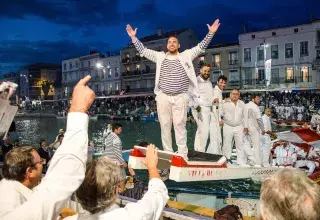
138, 67
274, 52
234, 76
261, 75
289, 50
289, 74
318, 37
247, 54
89, 63
216, 60
65, 77
97, 88
260, 53
304, 49
65, 66
233, 58
274, 33
77, 64
109, 72
70, 65
128, 68
275, 75
318, 54
296, 30
253, 36
215, 75
116, 71
248, 76
117, 86
305, 74
81, 64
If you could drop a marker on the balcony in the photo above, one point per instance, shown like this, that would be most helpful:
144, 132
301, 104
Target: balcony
136, 59
126, 60
233, 62
216, 64
234, 83
149, 71
129, 74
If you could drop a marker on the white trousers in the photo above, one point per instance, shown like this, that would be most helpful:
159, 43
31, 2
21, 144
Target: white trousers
265, 147
215, 135
173, 109
248, 151
229, 133
306, 163
203, 120
255, 140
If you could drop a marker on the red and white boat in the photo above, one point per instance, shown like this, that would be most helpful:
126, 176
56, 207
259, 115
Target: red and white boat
289, 123
206, 167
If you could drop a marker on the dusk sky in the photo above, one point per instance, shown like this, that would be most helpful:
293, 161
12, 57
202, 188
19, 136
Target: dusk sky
49, 31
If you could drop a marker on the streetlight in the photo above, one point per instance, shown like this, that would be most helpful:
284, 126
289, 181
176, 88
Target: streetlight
100, 66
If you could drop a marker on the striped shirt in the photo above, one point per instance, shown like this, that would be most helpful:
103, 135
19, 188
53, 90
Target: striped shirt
173, 77
113, 148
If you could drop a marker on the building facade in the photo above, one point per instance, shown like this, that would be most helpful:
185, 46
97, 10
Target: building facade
39, 81
102, 84
138, 73
224, 60
281, 58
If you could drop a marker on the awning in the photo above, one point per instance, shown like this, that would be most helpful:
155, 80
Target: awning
300, 136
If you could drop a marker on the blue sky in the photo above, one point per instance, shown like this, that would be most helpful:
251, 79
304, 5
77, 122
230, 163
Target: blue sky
49, 31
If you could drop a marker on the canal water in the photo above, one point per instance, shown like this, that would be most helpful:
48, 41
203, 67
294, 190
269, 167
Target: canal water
33, 130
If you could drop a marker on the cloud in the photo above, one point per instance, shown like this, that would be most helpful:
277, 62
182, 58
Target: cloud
15, 54
74, 13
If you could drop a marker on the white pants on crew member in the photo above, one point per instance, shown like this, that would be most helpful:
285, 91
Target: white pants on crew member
265, 147
215, 135
173, 109
255, 140
203, 120
306, 163
229, 133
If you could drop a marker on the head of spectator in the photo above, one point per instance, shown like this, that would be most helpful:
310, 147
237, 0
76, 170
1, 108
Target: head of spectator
60, 138
24, 165
103, 177
117, 128
61, 131
43, 144
267, 112
289, 194
143, 144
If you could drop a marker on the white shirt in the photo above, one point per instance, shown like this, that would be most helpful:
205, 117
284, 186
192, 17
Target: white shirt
217, 108
252, 115
267, 123
65, 174
149, 207
13, 194
206, 91
233, 114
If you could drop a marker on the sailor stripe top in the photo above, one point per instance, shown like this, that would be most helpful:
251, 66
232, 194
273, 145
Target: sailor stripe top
173, 77
113, 148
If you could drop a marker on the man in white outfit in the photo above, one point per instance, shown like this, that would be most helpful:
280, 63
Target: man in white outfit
175, 82
216, 120
265, 140
233, 119
202, 114
253, 125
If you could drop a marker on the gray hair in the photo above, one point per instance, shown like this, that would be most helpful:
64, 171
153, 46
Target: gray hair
289, 194
99, 188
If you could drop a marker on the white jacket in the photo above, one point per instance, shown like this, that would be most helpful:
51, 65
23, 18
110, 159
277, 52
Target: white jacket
185, 58
65, 174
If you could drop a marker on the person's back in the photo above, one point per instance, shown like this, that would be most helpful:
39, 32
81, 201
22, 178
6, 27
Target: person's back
113, 145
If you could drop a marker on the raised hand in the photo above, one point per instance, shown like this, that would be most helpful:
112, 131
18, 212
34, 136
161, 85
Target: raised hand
132, 33
214, 27
151, 156
82, 96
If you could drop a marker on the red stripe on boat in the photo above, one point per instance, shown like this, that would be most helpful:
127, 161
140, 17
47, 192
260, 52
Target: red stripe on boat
307, 134
137, 153
178, 161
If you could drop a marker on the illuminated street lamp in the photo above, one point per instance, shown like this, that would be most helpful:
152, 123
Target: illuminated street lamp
100, 66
